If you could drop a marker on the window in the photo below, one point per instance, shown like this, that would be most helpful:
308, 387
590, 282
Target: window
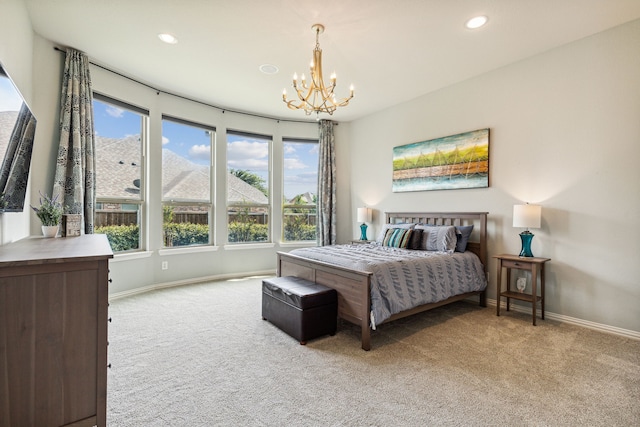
120, 131
186, 183
300, 189
248, 187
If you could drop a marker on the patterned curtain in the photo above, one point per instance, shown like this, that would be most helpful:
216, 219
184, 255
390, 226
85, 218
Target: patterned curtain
15, 167
327, 185
75, 169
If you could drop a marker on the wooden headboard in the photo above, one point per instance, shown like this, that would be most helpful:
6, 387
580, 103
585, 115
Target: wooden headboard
478, 241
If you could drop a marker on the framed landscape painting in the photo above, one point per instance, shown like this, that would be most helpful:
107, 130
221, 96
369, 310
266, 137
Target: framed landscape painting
448, 163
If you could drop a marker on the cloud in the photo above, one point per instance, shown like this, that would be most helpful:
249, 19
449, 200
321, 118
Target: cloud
289, 149
244, 149
165, 140
293, 163
249, 164
114, 111
200, 152
248, 155
303, 178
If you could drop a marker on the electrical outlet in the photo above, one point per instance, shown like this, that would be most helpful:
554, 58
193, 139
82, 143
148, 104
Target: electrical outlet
165, 265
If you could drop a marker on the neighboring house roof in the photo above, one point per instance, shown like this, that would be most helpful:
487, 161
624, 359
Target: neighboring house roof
118, 167
241, 192
307, 197
118, 174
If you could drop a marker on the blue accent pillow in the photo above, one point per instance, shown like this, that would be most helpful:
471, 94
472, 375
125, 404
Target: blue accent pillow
463, 232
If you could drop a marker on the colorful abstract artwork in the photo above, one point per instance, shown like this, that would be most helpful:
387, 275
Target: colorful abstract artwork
448, 163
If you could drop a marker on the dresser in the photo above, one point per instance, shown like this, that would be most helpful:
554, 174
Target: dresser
53, 331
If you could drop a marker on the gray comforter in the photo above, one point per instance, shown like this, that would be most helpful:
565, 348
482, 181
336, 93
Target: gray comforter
402, 278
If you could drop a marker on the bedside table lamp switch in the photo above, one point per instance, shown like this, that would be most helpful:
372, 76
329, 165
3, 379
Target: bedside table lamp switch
364, 216
526, 216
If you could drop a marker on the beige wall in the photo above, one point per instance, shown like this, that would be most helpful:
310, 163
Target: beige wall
565, 133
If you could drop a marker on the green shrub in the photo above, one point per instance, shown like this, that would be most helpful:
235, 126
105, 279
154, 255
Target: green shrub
248, 232
126, 237
121, 237
184, 234
296, 229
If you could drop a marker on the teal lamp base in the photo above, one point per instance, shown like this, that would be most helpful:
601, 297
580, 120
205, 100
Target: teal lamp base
363, 232
526, 237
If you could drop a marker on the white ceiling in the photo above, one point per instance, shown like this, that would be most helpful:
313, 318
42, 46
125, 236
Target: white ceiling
392, 51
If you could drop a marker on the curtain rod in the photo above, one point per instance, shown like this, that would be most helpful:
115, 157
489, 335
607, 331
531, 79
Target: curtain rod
190, 99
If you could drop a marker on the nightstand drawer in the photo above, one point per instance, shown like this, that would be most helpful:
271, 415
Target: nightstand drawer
522, 265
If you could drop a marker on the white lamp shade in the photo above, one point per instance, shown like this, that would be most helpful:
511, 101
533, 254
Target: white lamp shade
527, 216
364, 215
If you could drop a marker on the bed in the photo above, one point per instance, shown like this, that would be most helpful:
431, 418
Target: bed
354, 285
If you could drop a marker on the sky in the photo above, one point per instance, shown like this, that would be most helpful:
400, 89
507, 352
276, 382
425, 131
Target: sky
10, 99
243, 152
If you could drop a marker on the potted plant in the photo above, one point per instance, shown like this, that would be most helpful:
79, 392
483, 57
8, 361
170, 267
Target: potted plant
50, 214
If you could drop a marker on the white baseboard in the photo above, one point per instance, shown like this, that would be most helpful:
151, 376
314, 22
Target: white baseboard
627, 333
156, 286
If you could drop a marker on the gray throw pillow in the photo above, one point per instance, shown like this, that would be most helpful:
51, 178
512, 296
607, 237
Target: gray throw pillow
438, 237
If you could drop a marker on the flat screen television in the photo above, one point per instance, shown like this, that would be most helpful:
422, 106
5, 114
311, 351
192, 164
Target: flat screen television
17, 130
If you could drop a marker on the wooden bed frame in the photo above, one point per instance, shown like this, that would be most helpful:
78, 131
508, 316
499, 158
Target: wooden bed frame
354, 287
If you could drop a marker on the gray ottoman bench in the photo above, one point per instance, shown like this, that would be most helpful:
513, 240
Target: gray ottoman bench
300, 308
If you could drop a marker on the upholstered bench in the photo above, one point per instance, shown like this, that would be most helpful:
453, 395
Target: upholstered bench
300, 308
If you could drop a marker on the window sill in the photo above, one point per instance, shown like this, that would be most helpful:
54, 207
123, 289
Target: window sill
179, 250
244, 246
131, 255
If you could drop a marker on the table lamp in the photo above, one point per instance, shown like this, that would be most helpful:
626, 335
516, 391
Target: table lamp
526, 216
364, 215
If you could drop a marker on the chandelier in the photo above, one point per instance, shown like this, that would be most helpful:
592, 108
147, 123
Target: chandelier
316, 96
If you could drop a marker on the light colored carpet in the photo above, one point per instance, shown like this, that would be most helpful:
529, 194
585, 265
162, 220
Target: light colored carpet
201, 355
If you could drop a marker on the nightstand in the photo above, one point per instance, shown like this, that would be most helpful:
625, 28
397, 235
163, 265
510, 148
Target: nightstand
534, 265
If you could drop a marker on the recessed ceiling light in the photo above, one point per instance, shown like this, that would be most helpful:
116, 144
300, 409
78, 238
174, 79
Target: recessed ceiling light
268, 69
476, 22
167, 38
